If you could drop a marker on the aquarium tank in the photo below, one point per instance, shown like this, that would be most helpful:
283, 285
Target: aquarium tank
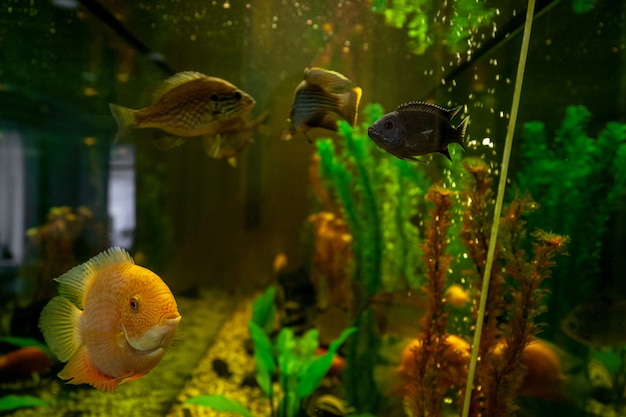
313, 208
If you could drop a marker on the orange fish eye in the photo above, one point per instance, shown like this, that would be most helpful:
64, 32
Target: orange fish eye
134, 303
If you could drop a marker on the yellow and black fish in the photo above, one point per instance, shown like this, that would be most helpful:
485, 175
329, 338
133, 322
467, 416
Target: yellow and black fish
322, 98
188, 104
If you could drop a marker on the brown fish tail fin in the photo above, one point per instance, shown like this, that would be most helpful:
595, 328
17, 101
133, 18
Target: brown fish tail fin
350, 105
125, 119
460, 131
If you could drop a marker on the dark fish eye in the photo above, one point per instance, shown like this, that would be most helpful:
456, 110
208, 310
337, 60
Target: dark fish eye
237, 95
388, 125
134, 303
213, 97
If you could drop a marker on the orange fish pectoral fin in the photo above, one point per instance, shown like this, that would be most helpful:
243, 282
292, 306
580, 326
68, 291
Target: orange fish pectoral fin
60, 324
80, 370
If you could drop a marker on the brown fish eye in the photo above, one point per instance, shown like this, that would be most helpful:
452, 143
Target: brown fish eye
237, 95
213, 97
134, 303
388, 125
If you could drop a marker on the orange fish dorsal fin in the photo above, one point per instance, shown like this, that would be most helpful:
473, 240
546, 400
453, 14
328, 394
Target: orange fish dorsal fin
59, 323
72, 284
175, 81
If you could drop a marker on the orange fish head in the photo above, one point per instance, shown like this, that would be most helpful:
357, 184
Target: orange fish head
149, 312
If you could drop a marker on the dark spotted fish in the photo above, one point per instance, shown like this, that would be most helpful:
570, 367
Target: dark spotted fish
188, 104
320, 100
418, 128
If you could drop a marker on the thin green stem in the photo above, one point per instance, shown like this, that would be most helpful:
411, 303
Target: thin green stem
498, 206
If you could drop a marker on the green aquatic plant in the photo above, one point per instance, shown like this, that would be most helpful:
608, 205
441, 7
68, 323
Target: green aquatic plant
299, 367
583, 6
378, 197
221, 403
573, 176
13, 402
263, 310
451, 26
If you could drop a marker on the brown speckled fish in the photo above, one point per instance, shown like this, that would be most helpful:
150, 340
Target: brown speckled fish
320, 100
111, 321
418, 128
187, 104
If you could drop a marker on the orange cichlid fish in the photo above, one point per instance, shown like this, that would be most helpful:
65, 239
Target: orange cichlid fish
187, 104
112, 321
320, 100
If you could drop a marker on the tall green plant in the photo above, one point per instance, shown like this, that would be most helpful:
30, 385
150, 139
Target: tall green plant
378, 196
577, 181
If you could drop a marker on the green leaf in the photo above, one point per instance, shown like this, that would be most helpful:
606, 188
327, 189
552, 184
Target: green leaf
308, 345
288, 362
12, 402
263, 357
314, 373
263, 310
27, 342
220, 403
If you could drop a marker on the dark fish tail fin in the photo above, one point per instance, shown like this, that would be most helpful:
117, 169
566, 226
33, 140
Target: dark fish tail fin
125, 119
350, 105
460, 132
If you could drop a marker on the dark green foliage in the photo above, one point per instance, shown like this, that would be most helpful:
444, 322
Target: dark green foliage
577, 181
263, 310
583, 6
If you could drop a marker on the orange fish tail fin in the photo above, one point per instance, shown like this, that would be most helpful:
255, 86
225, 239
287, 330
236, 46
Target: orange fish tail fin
60, 324
350, 105
125, 119
460, 131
